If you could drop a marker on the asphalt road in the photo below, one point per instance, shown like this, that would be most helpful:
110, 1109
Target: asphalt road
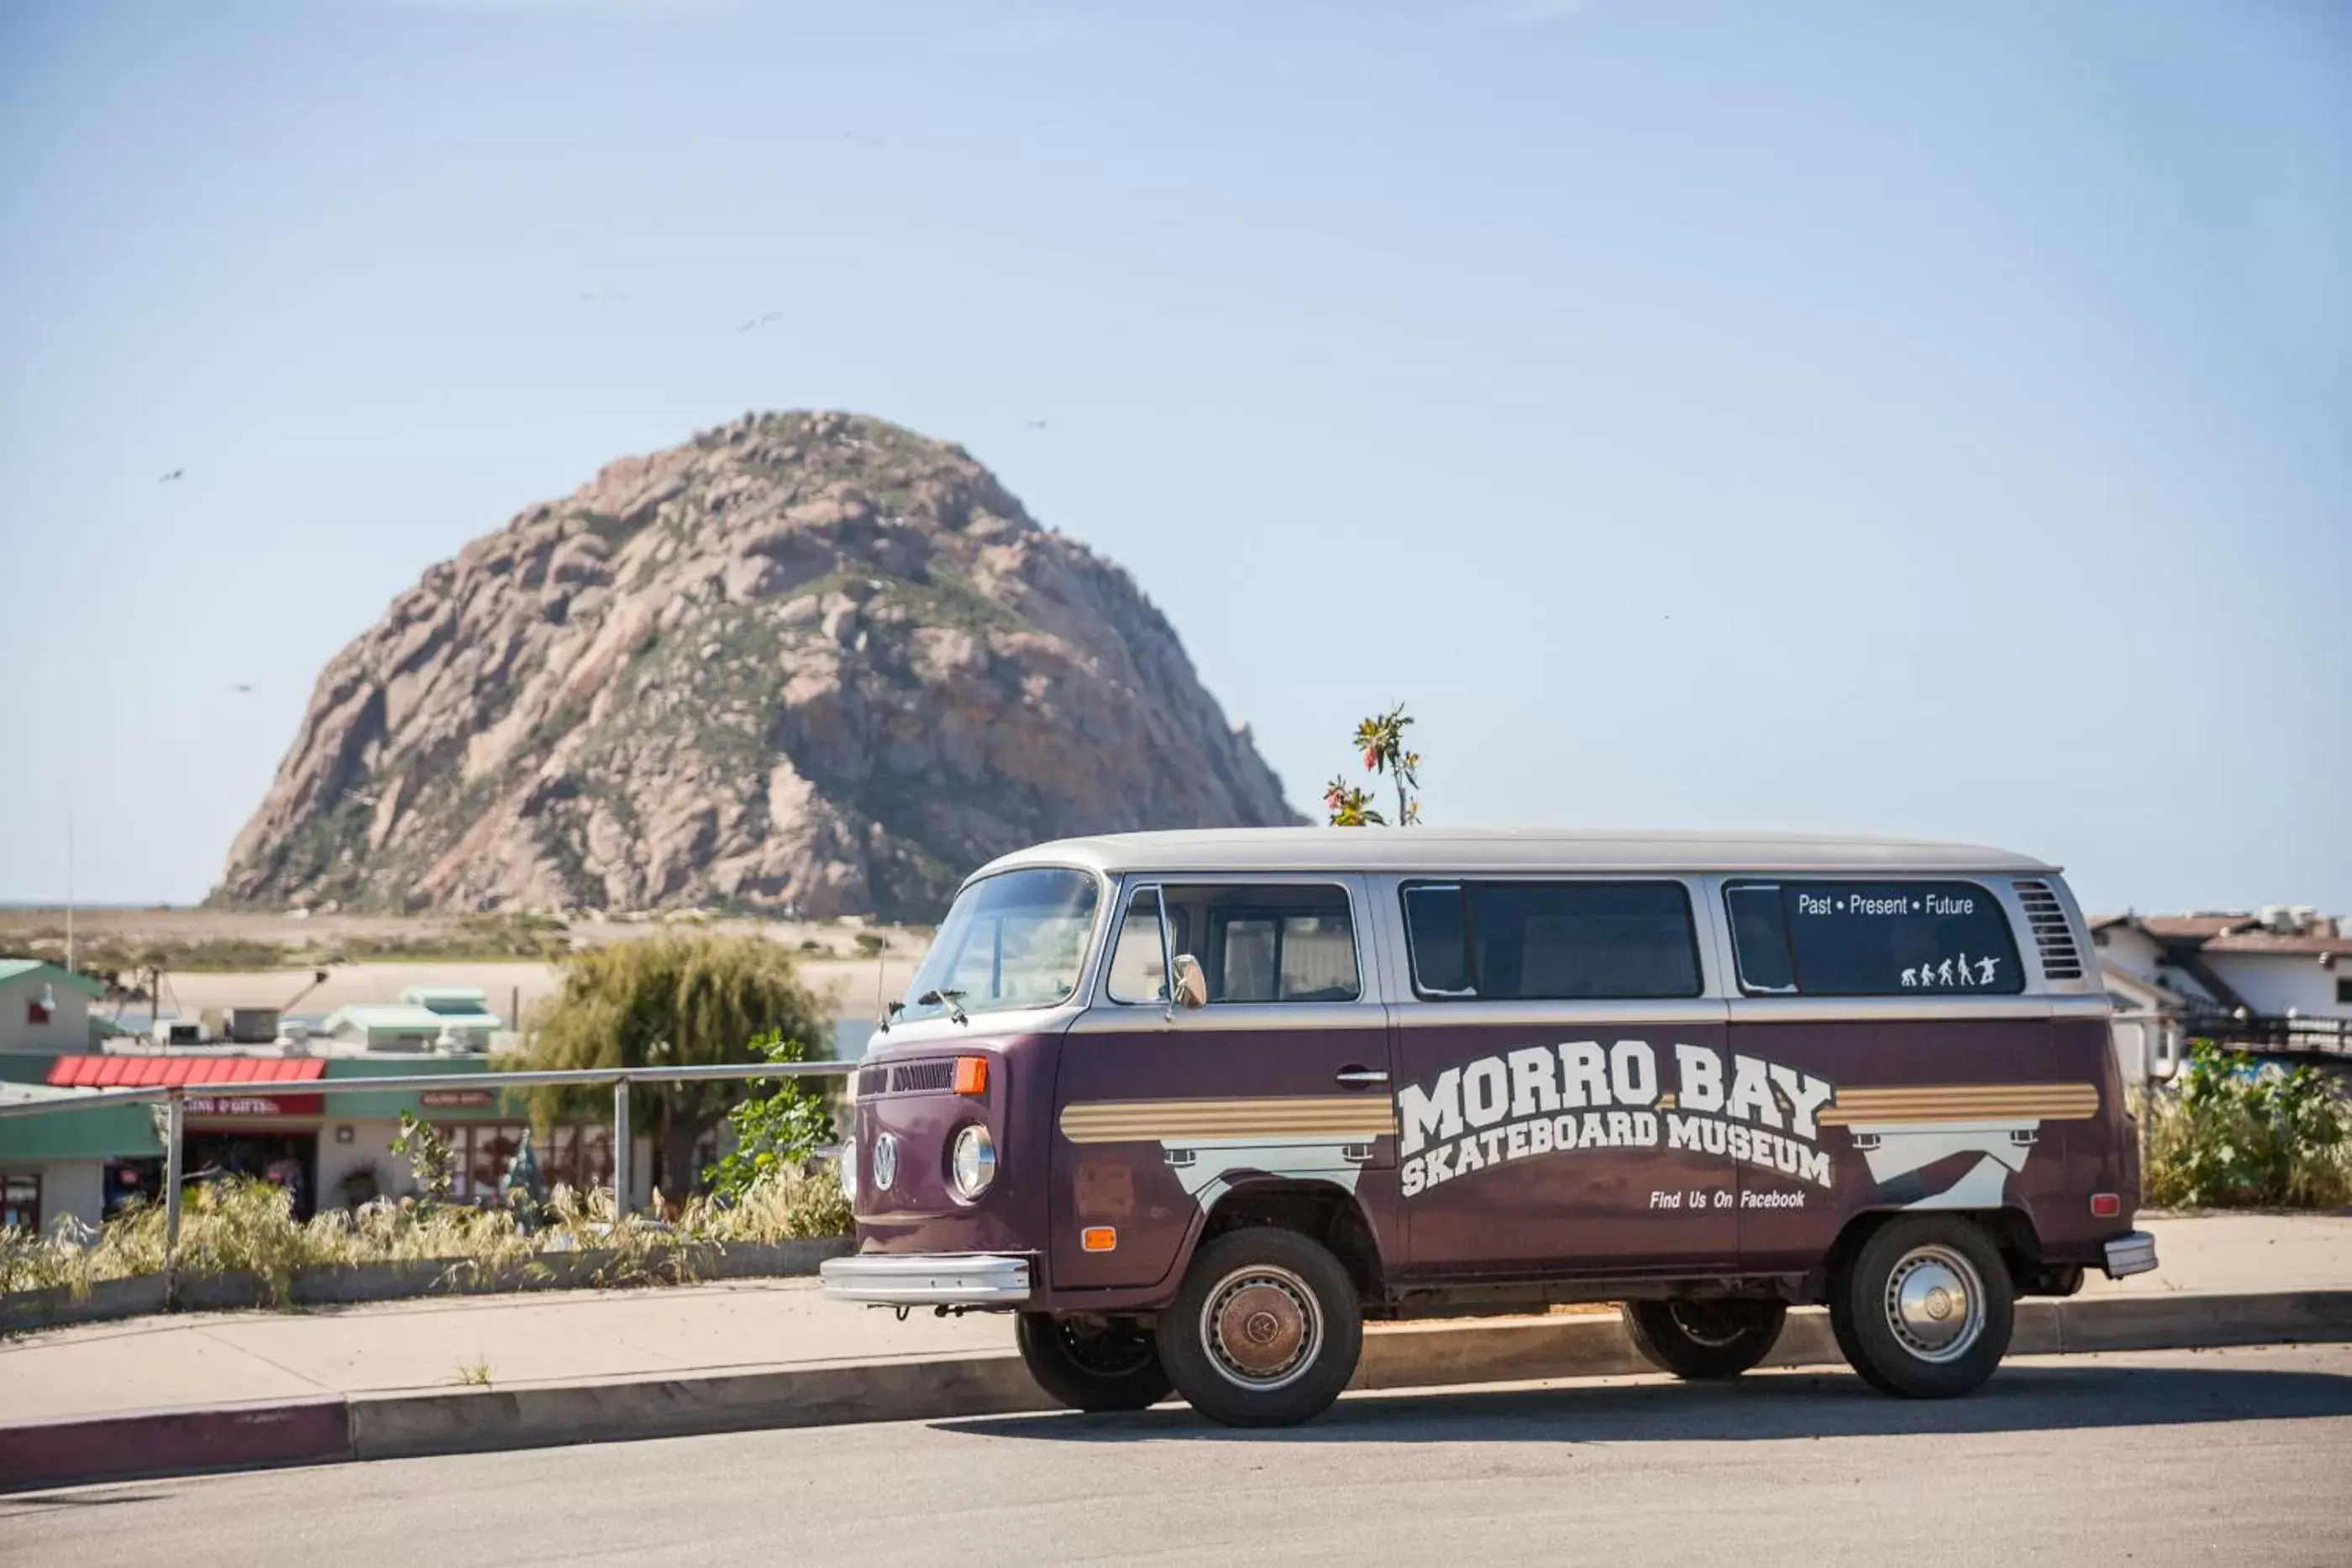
2220, 1457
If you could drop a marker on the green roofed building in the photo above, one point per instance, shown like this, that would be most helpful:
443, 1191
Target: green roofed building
44, 1007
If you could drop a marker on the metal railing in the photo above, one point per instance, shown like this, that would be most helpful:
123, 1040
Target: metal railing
2271, 1034
175, 1098
2154, 1045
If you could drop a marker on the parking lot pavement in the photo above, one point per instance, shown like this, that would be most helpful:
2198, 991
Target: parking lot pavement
2161, 1457
571, 1336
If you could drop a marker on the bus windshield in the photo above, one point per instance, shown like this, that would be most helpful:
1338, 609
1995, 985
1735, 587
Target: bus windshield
1016, 940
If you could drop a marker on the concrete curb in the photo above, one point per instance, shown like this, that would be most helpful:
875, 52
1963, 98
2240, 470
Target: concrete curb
340, 1286
1410, 1355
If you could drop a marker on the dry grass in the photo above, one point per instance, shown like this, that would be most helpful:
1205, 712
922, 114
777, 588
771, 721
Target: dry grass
248, 1228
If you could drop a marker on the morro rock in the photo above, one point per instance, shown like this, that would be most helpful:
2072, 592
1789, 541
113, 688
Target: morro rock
809, 662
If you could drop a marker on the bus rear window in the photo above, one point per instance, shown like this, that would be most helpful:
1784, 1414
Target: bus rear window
1872, 939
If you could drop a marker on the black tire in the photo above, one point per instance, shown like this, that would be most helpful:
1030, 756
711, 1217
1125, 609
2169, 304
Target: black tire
1114, 1367
1265, 1331
1924, 1309
1705, 1339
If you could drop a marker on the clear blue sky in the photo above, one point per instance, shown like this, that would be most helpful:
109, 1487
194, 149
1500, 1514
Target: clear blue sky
1903, 419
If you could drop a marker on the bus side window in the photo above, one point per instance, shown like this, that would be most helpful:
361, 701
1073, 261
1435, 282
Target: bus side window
1138, 974
1438, 939
1273, 943
1759, 936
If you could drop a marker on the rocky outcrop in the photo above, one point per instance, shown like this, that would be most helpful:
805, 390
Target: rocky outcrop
810, 661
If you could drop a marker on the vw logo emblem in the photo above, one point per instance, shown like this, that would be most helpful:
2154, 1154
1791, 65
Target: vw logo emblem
886, 1160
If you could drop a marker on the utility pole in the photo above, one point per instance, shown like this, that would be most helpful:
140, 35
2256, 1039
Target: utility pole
69, 896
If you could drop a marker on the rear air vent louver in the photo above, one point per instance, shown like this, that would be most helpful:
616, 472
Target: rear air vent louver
2061, 959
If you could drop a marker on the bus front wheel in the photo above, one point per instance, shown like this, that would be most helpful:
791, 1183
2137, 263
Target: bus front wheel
1265, 1329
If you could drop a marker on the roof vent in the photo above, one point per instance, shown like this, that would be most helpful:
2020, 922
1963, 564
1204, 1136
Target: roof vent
2061, 959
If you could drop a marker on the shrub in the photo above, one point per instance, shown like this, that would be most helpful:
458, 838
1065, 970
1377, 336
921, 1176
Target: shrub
776, 1133
2233, 1132
243, 1226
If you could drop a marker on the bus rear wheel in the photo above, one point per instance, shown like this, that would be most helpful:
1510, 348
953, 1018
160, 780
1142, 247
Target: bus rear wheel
1704, 1339
1925, 1308
1092, 1367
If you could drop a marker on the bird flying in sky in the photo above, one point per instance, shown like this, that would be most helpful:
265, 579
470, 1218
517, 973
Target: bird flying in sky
175, 473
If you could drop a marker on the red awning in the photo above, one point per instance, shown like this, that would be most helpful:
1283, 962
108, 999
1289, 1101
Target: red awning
161, 1071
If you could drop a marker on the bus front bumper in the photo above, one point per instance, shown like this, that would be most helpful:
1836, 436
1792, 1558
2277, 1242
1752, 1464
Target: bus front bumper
2131, 1253
928, 1279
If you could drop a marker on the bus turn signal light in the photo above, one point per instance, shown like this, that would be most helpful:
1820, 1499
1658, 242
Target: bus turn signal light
1098, 1237
2106, 1206
972, 1075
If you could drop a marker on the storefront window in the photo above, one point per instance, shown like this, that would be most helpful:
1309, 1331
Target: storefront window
574, 1155
20, 1202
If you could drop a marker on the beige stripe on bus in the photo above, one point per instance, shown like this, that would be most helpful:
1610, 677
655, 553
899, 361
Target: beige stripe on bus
1965, 1102
1320, 1116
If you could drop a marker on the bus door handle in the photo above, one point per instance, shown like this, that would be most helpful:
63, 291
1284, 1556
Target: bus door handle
1356, 1077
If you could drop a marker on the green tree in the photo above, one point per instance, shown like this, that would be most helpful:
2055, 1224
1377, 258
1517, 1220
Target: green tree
430, 1159
1380, 739
675, 1000
775, 1131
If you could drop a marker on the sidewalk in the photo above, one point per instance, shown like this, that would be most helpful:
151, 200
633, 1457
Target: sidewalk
576, 1337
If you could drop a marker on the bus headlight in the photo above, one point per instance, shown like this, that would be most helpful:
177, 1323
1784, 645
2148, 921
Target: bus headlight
973, 1160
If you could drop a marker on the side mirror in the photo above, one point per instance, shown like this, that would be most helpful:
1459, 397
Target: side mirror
1191, 988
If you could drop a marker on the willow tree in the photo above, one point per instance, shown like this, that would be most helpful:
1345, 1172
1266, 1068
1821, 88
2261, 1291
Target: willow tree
675, 1000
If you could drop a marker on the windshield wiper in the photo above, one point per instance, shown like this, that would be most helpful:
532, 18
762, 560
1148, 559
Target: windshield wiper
951, 1000
890, 1012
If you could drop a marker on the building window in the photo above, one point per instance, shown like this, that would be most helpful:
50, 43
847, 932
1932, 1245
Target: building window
35, 1013
2344, 990
20, 1203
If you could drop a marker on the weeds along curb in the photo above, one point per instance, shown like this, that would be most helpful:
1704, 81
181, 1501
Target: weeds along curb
1415, 1355
340, 1286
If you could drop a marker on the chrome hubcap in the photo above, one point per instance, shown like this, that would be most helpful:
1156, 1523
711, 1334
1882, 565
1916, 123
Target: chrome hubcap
1262, 1327
1935, 1303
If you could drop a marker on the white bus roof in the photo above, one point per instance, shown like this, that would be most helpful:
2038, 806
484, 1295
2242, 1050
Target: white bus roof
1439, 851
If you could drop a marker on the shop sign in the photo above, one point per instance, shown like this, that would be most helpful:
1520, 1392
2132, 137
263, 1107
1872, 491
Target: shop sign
254, 1105
455, 1098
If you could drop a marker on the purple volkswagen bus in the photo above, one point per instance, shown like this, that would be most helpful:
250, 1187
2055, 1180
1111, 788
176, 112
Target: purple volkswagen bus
1197, 1106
